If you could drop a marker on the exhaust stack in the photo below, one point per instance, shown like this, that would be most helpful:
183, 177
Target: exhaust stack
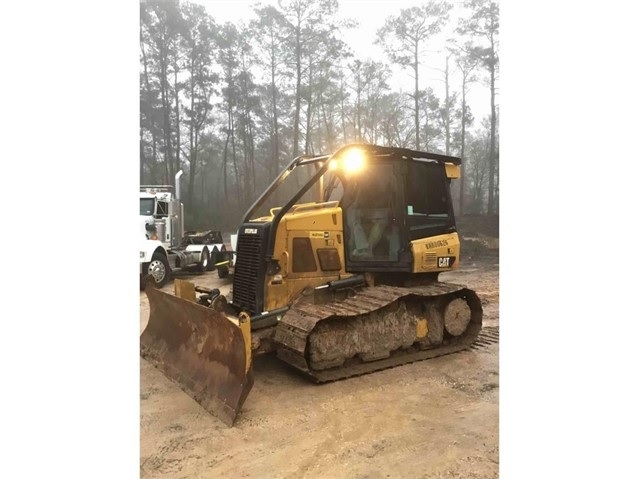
177, 181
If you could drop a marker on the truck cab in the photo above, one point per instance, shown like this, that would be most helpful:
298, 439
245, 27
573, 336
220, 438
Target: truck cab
154, 213
165, 246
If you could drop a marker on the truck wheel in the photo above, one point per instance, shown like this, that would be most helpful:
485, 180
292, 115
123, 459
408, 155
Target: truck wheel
159, 269
205, 260
212, 259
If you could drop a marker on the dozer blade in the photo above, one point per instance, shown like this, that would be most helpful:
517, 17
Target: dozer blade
201, 350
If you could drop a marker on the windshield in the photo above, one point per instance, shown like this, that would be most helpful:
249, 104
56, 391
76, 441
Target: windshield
147, 206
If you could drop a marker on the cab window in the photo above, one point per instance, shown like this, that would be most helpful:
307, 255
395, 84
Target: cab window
428, 200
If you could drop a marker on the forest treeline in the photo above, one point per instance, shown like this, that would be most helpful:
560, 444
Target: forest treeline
232, 104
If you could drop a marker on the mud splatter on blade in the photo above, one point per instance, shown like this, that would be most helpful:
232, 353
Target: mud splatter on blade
199, 349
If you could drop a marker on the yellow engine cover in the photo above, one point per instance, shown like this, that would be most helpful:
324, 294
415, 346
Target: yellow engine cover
437, 253
309, 248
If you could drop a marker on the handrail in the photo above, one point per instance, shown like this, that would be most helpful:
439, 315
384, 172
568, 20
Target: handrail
313, 206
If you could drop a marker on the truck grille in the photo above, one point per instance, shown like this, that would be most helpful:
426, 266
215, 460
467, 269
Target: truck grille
249, 269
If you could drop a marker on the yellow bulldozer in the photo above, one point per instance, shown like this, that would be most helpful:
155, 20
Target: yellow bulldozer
339, 280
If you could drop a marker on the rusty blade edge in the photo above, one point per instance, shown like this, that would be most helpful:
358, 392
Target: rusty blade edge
200, 350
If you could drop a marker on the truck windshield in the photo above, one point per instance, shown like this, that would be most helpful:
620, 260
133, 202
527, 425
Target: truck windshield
147, 206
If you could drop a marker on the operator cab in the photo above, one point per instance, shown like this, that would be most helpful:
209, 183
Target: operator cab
389, 202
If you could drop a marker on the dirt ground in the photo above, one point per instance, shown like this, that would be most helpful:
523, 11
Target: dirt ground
437, 418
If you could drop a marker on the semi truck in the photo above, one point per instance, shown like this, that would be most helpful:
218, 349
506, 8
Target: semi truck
165, 245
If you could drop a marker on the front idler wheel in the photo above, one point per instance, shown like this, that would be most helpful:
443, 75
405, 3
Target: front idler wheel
457, 316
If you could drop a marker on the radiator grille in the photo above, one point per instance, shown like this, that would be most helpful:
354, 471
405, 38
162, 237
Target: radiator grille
249, 270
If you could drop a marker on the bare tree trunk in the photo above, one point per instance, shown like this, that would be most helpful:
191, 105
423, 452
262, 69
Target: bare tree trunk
427, 134
374, 115
152, 128
252, 164
298, 92
142, 160
234, 160
308, 123
343, 108
227, 131
417, 127
358, 107
164, 95
177, 110
203, 195
274, 165
447, 105
248, 155
328, 129
462, 180
193, 159
490, 199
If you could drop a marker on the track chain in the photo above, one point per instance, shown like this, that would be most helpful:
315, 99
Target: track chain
297, 324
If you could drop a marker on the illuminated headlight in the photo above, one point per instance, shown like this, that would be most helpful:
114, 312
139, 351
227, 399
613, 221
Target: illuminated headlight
354, 160
142, 254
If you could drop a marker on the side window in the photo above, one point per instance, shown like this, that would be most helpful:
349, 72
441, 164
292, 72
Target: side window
162, 208
329, 259
303, 256
428, 200
147, 206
